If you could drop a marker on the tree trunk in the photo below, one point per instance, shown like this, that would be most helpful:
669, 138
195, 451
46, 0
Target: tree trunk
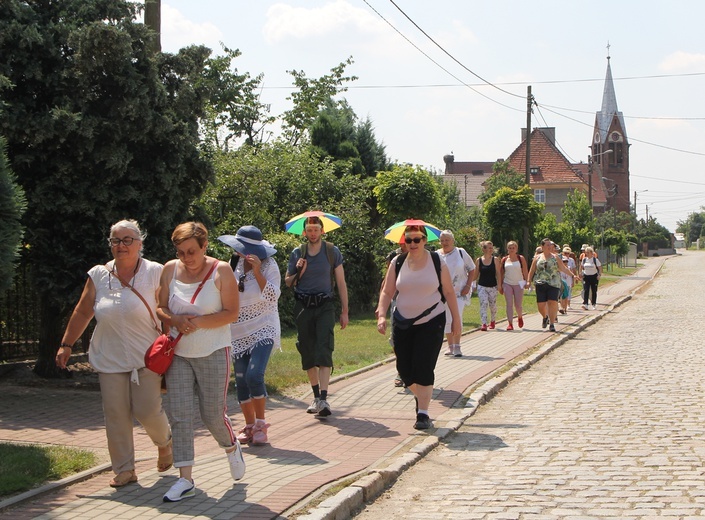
153, 20
49, 338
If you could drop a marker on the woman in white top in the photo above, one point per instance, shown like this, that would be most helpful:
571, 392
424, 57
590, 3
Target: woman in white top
201, 365
513, 273
123, 332
461, 269
257, 330
419, 320
590, 271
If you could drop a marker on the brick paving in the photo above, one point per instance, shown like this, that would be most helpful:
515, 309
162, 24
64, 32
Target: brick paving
372, 424
610, 425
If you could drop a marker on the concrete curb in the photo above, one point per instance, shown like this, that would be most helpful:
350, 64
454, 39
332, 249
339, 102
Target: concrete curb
370, 486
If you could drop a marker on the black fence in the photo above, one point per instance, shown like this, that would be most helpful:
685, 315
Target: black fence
20, 320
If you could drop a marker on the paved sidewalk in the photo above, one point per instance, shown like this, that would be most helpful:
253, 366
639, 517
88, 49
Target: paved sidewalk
371, 429
609, 426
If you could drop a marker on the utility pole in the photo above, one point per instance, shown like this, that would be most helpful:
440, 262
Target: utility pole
590, 181
527, 174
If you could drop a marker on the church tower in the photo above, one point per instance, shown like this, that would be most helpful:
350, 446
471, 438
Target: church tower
610, 148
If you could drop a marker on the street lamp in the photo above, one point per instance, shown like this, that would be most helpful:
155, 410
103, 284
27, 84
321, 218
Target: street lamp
590, 157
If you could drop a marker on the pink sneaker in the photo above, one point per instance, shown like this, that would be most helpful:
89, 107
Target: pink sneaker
492, 325
259, 434
510, 327
484, 327
244, 436
521, 322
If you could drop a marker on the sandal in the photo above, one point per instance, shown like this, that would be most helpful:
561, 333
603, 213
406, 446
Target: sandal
123, 478
165, 461
398, 382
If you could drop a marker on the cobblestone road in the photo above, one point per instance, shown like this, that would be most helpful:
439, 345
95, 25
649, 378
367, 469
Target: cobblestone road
610, 425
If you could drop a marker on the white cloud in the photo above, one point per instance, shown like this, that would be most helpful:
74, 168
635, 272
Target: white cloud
177, 29
683, 61
285, 21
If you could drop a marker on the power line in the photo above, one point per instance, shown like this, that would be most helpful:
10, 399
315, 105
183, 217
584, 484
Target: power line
449, 54
436, 63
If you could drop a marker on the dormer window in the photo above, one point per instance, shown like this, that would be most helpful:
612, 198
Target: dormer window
534, 170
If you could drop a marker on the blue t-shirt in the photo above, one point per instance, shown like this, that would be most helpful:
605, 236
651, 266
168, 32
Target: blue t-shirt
317, 277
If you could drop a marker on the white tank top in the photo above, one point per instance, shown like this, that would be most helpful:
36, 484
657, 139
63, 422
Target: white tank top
202, 342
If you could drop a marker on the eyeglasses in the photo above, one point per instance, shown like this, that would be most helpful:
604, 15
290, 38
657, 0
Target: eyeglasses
241, 283
414, 240
114, 241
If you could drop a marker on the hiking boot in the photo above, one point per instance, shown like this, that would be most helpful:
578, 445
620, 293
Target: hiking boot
244, 436
323, 409
183, 488
236, 461
314, 407
423, 422
259, 434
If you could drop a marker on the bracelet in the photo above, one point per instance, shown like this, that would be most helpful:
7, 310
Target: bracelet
66, 345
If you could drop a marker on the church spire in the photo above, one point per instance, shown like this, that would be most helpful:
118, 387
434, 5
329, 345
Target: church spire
609, 104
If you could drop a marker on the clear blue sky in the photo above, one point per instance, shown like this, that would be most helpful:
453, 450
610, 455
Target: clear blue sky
422, 112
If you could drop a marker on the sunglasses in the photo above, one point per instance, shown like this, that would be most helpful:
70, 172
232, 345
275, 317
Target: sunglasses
241, 283
414, 240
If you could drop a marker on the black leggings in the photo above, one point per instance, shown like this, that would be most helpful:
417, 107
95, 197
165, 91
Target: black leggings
590, 282
417, 350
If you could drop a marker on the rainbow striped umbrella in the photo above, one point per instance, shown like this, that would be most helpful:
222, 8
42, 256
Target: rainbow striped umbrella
297, 224
396, 232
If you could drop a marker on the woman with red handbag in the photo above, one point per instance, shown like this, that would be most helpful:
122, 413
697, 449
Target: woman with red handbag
123, 332
198, 298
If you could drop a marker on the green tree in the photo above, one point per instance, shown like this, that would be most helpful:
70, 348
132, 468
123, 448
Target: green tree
407, 192
12, 206
98, 129
310, 97
235, 110
578, 224
503, 176
509, 210
692, 227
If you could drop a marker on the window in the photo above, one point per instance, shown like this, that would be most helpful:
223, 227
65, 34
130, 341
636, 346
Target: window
540, 196
534, 170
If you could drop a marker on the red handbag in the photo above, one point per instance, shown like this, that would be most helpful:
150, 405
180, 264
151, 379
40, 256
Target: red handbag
160, 353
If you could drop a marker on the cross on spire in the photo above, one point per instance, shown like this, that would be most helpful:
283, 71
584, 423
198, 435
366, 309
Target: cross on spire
608, 49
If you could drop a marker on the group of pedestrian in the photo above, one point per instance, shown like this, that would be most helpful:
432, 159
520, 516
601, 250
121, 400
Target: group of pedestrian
226, 316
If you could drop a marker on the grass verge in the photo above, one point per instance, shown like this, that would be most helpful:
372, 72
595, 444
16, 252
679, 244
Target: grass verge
23, 467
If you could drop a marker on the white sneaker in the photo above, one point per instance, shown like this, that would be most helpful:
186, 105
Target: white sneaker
183, 488
585, 307
323, 408
314, 407
236, 461
456, 351
591, 307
